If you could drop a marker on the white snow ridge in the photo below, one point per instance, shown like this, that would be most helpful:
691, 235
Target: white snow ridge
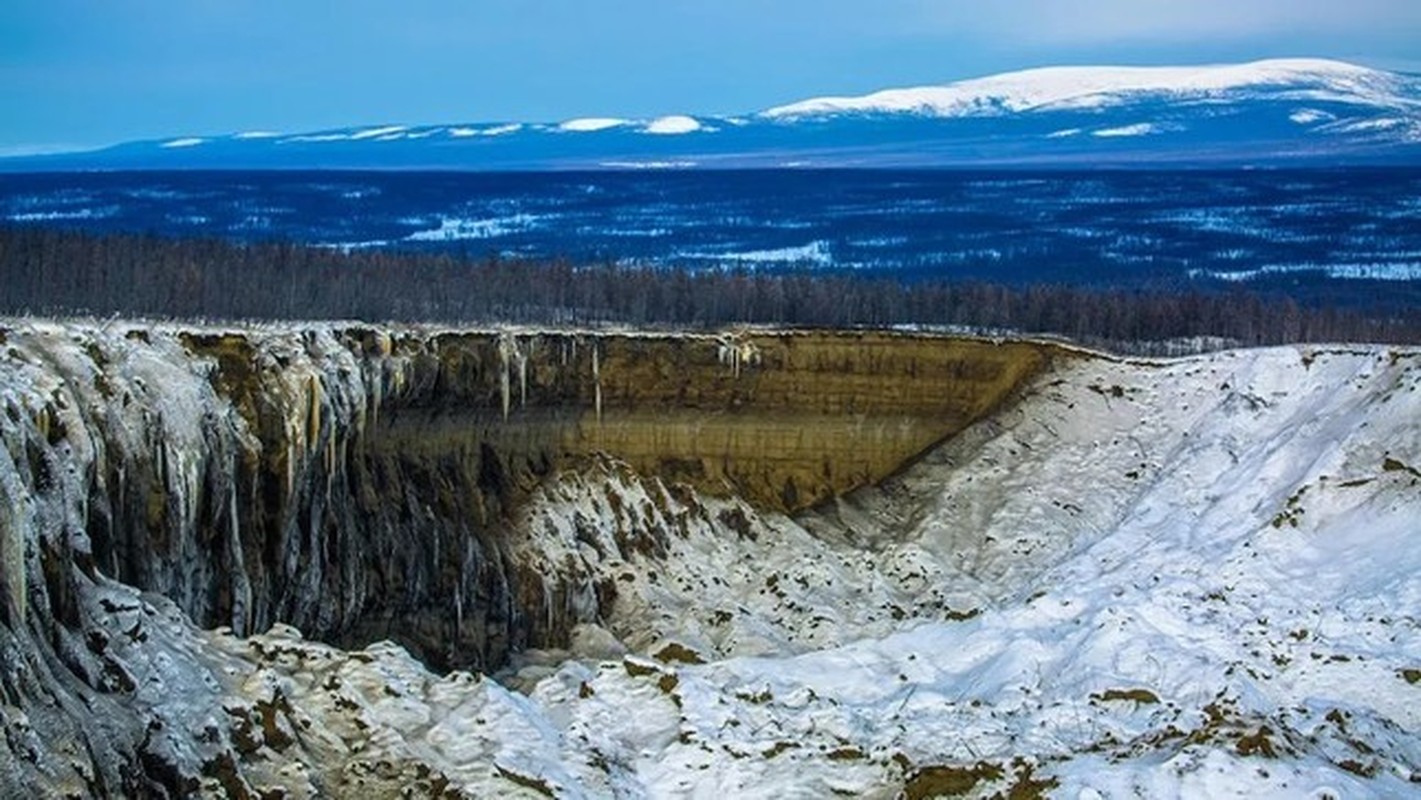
591, 124
1138, 129
1055, 88
673, 125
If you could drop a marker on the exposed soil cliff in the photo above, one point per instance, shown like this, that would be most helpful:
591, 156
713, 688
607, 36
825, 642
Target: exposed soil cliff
783, 420
371, 480
360, 484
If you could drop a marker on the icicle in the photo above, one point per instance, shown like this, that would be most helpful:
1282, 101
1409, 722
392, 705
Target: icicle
732, 352
290, 469
597, 383
505, 350
523, 379
241, 619
12, 541
313, 413
512, 356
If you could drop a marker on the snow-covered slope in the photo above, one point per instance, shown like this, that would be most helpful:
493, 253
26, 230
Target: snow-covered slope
1276, 111
1195, 577
1060, 88
1187, 578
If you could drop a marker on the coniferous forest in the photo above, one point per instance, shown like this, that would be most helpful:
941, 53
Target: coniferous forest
53, 272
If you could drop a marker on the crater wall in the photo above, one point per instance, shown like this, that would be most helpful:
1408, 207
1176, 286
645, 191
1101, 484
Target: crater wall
363, 484
358, 483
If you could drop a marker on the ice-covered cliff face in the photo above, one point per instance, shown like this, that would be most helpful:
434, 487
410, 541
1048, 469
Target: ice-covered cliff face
357, 483
365, 485
1158, 578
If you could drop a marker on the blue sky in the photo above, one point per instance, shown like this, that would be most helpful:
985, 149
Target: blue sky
88, 72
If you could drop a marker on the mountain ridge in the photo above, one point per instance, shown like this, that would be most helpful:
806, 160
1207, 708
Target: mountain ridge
1062, 87
1261, 112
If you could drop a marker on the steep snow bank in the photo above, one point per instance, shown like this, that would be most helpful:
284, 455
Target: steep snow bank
1186, 578
1179, 578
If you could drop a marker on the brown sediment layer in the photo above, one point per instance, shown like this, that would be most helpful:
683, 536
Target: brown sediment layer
784, 420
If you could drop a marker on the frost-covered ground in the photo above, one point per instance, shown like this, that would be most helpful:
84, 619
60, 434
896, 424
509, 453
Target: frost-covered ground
1196, 578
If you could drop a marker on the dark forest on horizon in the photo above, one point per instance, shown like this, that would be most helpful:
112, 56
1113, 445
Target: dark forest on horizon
60, 273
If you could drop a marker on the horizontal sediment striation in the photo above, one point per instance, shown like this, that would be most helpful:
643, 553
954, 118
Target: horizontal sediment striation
784, 420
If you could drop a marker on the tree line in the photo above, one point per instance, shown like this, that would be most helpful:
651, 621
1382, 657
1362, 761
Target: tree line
54, 272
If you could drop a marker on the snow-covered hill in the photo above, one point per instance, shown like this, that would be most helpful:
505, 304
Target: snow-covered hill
1265, 112
1063, 88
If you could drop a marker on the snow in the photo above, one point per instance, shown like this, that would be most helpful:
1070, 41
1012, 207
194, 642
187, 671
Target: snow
1404, 129
382, 134
1380, 124
318, 137
591, 124
1055, 88
1219, 532
650, 164
191, 141
458, 229
816, 252
1373, 271
1138, 129
673, 125
50, 216
495, 130
1126, 581
1307, 116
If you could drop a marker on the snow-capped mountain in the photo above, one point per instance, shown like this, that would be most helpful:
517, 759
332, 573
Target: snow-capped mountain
1265, 112
1081, 88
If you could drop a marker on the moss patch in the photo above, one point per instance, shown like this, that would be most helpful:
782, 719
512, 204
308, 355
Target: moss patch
778, 748
949, 781
678, 653
1027, 787
1257, 743
1137, 696
637, 670
1390, 464
536, 784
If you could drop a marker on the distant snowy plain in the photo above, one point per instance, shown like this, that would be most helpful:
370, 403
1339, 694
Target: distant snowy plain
1275, 229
